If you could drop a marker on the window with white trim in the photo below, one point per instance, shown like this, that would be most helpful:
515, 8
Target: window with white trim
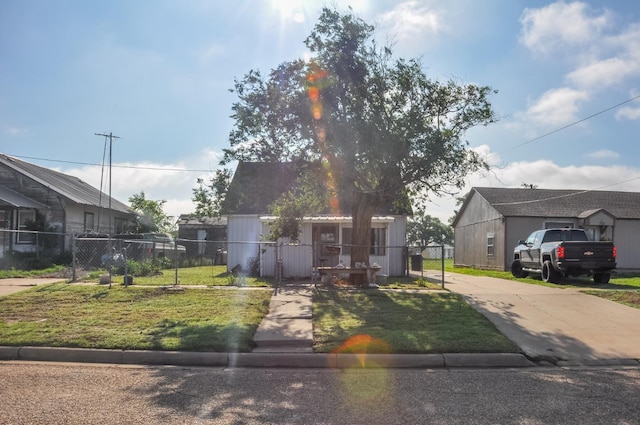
490, 244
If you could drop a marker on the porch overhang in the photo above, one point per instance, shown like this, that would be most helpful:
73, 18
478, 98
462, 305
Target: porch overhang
14, 199
331, 219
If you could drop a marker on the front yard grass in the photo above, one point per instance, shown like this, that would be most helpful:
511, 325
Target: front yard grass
225, 320
67, 315
402, 322
201, 275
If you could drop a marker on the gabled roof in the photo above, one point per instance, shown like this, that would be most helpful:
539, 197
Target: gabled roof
257, 185
65, 185
522, 202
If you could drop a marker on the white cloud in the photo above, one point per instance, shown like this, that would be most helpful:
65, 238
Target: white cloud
557, 106
410, 19
172, 183
601, 74
560, 25
628, 113
603, 154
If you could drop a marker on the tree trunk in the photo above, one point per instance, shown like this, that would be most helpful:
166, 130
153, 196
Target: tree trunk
362, 210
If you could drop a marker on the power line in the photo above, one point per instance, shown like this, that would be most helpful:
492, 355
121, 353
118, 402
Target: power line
574, 123
133, 167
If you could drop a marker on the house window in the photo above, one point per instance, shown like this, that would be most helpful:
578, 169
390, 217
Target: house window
120, 225
378, 241
24, 218
89, 222
490, 244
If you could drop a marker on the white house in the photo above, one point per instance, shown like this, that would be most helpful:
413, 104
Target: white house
325, 239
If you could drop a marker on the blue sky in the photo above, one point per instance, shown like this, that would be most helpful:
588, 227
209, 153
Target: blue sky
158, 73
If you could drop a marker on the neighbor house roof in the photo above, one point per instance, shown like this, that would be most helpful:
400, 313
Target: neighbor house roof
65, 185
257, 185
192, 220
522, 202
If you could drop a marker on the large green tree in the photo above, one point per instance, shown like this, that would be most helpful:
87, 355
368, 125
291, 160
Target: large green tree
424, 229
378, 125
209, 196
150, 215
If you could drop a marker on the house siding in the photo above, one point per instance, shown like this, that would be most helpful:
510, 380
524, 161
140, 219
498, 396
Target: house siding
243, 232
297, 259
471, 232
627, 240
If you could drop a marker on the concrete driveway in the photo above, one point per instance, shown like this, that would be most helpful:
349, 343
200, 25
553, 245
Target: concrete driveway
554, 324
10, 286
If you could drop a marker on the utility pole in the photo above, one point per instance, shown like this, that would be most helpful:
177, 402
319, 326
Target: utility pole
111, 137
109, 232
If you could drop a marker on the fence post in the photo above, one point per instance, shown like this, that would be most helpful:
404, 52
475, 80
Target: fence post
175, 260
442, 263
74, 260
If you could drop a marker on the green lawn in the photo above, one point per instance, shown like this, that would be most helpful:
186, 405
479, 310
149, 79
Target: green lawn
70, 315
401, 322
201, 275
141, 317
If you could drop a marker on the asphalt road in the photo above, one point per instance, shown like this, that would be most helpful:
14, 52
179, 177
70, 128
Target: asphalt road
66, 393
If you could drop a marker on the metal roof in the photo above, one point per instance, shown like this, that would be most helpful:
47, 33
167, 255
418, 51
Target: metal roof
65, 185
522, 202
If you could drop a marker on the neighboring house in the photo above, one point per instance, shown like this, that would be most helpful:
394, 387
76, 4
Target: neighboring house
492, 221
202, 236
434, 251
59, 203
324, 239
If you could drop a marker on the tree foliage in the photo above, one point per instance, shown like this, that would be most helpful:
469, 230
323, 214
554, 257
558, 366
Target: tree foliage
424, 229
150, 215
308, 196
210, 196
378, 125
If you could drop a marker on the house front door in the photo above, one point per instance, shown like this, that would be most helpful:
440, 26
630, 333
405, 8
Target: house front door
326, 245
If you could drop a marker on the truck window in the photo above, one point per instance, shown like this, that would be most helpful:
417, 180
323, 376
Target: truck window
564, 235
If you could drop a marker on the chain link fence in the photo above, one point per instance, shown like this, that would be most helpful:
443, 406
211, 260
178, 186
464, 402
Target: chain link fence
124, 257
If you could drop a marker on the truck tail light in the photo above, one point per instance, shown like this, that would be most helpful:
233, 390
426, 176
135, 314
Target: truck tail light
615, 251
561, 251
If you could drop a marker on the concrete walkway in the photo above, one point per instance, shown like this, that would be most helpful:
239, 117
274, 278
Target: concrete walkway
287, 328
561, 325
11, 286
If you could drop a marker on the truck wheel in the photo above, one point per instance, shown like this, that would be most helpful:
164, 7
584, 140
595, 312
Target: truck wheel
516, 270
601, 278
549, 274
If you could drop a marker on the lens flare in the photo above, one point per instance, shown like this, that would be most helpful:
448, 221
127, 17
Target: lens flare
362, 345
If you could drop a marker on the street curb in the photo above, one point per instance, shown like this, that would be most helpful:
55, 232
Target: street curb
267, 360
598, 362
